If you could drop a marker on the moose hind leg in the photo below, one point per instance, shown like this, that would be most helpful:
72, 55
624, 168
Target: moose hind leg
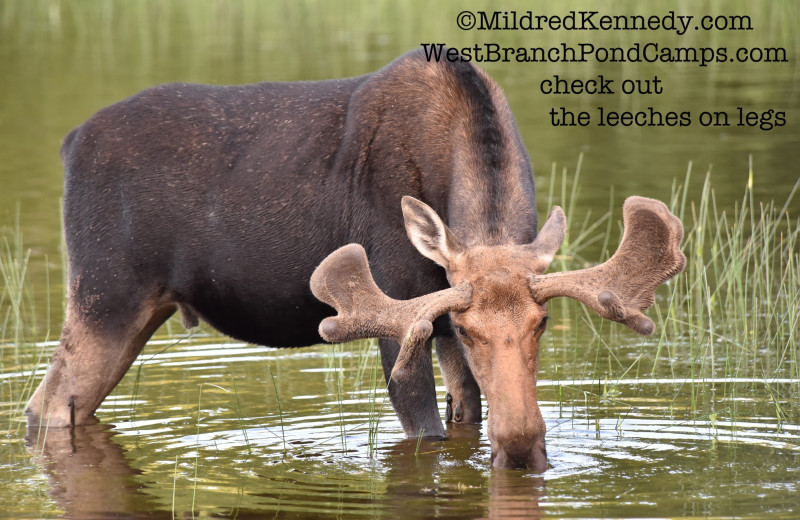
414, 399
87, 364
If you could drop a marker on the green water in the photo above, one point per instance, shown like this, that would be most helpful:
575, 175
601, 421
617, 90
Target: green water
639, 450
634, 430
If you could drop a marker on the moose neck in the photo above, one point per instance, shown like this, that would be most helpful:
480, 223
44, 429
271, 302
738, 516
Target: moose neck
492, 199
443, 133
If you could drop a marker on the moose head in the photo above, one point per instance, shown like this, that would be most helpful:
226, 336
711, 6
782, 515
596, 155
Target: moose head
497, 302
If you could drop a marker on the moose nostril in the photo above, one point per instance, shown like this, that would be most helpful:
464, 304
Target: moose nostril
457, 415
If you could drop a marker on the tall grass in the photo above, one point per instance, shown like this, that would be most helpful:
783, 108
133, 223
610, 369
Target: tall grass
737, 305
367, 377
20, 325
280, 409
728, 324
15, 299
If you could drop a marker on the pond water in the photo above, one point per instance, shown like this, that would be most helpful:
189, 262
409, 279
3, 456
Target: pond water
637, 427
200, 428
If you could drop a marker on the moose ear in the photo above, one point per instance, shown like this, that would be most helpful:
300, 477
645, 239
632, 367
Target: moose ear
432, 238
548, 241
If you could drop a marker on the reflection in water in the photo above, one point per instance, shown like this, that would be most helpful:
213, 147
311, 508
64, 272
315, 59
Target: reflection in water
513, 495
227, 460
445, 479
419, 485
87, 472
89, 477
456, 488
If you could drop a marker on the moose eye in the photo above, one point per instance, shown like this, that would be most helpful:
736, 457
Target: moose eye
542, 324
461, 331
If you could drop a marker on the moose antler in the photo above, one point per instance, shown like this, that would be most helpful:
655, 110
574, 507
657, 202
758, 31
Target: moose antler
343, 281
648, 255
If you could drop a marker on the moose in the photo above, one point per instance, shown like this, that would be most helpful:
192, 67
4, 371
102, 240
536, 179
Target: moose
407, 193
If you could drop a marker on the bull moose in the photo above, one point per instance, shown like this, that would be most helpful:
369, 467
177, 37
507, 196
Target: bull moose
220, 202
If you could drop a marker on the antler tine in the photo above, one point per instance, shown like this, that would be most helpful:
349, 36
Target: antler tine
343, 281
648, 255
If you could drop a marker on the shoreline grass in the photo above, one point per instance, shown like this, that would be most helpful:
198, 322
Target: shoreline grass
736, 305
740, 292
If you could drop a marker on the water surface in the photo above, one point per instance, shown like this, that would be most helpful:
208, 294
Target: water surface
215, 440
224, 429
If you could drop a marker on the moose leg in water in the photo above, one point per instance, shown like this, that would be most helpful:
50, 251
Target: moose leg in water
463, 394
104, 331
414, 398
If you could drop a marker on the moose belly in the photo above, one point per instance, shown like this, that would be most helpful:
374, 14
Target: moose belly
275, 318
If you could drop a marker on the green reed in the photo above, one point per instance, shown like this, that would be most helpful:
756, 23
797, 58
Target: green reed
280, 409
197, 448
727, 325
20, 325
375, 407
338, 374
15, 299
737, 299
364, 367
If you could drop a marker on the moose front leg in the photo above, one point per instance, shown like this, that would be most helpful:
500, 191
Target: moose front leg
414, 396
463, 393
343, 281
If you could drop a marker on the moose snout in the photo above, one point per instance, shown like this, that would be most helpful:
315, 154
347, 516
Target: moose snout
518, 441
516, 451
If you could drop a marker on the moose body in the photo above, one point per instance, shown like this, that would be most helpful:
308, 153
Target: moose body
220, 202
